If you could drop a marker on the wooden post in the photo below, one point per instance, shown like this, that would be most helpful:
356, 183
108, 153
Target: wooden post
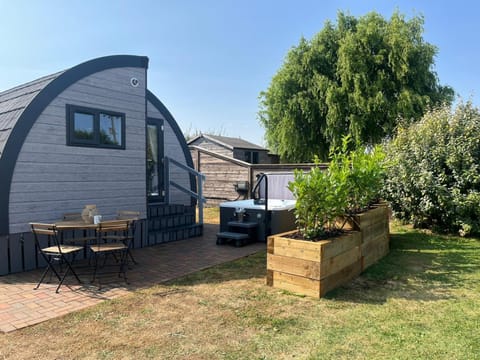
201, 178
250, 180
198, 160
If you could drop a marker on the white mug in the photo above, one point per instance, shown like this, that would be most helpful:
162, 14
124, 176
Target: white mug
97, 219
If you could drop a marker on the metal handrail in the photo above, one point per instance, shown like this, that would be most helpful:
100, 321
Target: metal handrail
262, 177
200, 180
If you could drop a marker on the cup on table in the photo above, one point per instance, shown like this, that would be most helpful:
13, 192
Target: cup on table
97, 219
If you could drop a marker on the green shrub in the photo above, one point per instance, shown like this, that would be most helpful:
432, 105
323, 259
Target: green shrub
433, 178
318, 203
364, 169
351, 182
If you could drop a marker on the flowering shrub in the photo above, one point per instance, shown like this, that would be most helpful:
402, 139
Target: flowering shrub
433, 178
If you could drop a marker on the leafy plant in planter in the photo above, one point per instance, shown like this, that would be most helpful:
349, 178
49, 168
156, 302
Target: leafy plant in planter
351, 182
366, 178
320, 200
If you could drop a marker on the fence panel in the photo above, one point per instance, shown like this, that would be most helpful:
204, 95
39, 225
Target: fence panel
29, 252
16, 252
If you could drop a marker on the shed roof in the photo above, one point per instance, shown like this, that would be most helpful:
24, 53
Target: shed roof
15, 100
229, 142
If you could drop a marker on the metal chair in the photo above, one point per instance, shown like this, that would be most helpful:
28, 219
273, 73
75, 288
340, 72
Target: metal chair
133, 216
117, 244
54, 253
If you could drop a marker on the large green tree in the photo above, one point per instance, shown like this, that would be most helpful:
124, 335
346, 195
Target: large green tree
356, 77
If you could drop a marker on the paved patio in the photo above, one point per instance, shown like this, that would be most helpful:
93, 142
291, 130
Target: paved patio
21, 306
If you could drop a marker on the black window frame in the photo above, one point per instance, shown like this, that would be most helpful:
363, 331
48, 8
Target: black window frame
247, 156
255, 157
95, 142
251, 156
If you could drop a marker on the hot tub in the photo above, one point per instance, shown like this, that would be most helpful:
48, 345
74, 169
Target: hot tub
278, 217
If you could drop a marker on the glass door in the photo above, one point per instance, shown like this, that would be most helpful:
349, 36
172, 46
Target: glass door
155, 185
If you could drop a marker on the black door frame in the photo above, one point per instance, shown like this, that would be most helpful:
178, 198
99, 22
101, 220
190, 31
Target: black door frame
160, 161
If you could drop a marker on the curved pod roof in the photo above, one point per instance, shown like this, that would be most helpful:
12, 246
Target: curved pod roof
21, 106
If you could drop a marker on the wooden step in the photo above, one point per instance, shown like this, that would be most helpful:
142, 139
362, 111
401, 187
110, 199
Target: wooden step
232, 235
238, 238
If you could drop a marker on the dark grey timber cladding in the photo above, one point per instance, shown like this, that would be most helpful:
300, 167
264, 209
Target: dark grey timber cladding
34, 109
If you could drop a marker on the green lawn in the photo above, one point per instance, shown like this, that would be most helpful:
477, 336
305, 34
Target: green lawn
420, 302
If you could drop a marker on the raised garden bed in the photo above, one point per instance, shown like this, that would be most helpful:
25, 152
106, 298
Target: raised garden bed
374, 227
314, 268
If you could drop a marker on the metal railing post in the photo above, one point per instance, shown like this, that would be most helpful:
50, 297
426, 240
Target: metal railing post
200, 180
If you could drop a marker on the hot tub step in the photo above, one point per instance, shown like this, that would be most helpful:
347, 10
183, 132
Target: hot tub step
239, 238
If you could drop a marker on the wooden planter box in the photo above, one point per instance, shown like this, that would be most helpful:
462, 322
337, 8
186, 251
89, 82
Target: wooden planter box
314, 268
374, 227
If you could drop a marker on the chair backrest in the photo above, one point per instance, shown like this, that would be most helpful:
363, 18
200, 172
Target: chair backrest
47, 230
113, 226
43, 229
133, 216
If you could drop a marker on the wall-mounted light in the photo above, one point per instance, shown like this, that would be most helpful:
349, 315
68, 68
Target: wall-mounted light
134, 82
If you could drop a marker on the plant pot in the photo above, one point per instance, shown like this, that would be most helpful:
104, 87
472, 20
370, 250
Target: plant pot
312, 268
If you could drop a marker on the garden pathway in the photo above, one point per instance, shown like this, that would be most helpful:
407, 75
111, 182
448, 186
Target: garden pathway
21, 306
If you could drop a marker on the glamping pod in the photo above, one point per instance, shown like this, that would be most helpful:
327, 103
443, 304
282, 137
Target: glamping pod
92, 134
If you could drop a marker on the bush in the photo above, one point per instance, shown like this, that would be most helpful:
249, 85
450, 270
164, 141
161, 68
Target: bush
433, 178
352, 181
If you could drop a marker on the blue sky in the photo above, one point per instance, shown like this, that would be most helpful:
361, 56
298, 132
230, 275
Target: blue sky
209, 60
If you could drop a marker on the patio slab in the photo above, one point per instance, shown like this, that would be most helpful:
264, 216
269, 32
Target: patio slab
21, 306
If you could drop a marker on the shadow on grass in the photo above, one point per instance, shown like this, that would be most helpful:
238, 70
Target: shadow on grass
249, 267
420, 266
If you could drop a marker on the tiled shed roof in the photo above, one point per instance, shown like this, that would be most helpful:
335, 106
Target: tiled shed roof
229, 142
14, 101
